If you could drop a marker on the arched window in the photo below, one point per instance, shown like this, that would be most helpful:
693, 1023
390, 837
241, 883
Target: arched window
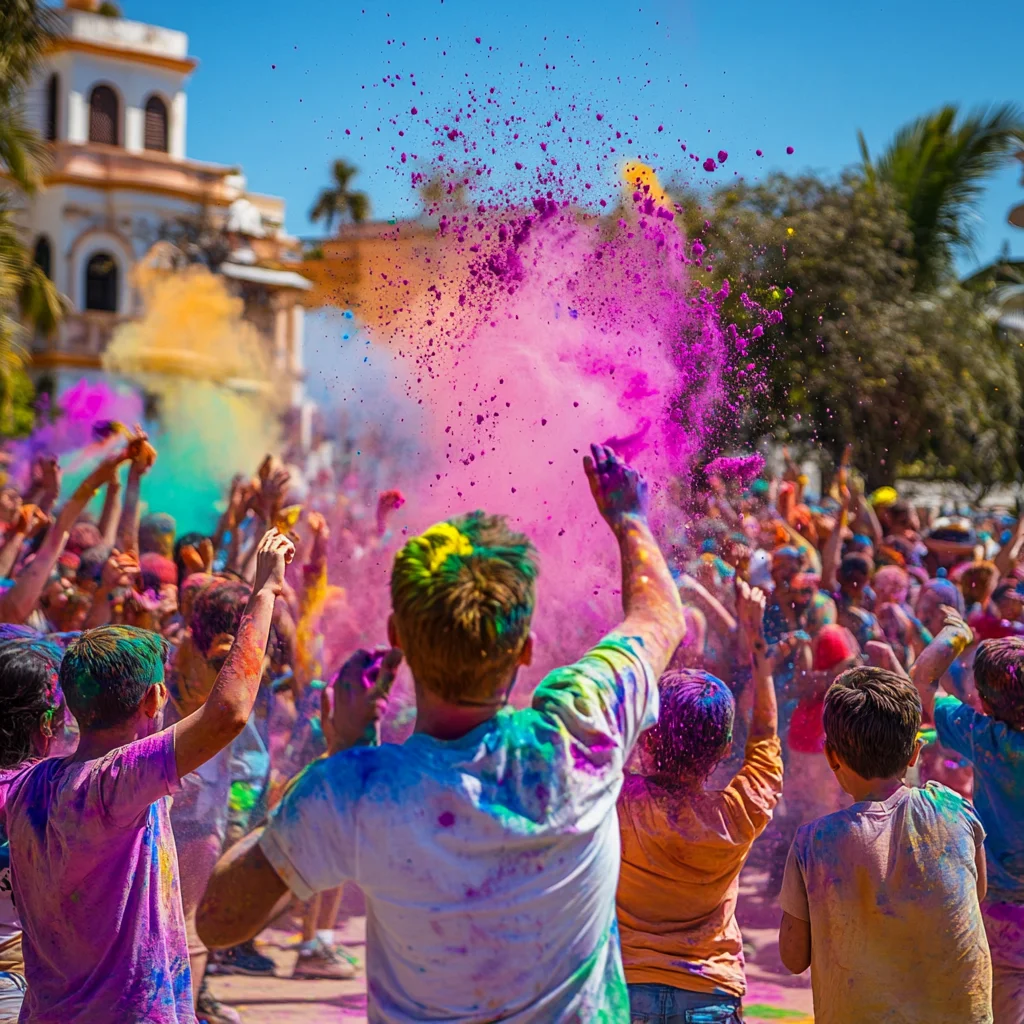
156, 124
101, 283
52, 99
43, 256
104, 116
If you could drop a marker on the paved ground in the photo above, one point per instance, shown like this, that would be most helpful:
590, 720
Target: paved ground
773, 994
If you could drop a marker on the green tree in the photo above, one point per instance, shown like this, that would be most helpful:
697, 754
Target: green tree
917, 380
937, 167
338, 201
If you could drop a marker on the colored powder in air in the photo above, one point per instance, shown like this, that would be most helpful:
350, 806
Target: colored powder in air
543, 328
743, 468
210, 374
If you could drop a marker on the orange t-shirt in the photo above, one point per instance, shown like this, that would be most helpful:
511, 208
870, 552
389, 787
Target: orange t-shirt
682, 851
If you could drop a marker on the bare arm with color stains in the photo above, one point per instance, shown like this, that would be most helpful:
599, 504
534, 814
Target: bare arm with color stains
936, 658
244, 894
795, 943
18, 602
650, 600
212, 727
750, 605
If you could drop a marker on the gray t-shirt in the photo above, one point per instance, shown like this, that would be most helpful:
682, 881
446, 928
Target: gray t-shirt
890, 890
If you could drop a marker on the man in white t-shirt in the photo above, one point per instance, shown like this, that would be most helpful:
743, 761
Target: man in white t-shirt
487, 845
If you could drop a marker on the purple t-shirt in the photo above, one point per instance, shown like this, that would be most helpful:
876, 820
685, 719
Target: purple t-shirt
95, 880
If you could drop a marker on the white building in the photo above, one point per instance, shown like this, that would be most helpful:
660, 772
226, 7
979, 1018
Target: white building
111, 100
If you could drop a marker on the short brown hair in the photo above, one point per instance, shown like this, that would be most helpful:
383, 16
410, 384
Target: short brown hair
463, 595
999, 677
871, 720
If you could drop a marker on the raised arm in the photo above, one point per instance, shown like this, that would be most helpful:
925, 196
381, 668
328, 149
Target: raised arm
1006, 557
830, 552
750, 605
110, 517
650, 600
143, 455
212, 727
29, 520
18, 602
935, 659
713, 609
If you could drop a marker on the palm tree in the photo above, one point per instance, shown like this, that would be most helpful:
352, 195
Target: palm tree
337, 201
27, 28
937, 166
28, 298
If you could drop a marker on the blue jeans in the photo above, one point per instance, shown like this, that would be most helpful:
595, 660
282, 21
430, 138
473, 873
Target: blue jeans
663, 1004
12, 994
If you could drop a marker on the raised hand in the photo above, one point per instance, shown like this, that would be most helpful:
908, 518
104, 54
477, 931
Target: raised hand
140, 451
119, 570
273, 554
619, 490
29, 520
955, 630
350, 715
750, 606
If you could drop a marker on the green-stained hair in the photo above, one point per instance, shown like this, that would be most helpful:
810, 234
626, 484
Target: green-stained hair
107, 671
463, 595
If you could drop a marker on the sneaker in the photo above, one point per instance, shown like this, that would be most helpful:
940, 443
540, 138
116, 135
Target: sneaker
243, 959
319, 961
210, 1010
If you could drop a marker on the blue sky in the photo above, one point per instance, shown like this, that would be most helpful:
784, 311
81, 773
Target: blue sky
278, 84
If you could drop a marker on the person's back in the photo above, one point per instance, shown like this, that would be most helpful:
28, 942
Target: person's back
994, 744
882, 899
683, 846
93, 866
101, 908
487, 844
471, 851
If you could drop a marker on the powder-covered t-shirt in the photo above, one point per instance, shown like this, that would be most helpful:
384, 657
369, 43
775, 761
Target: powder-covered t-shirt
997, 753
890, 890
95, 880
489, 863
682, 852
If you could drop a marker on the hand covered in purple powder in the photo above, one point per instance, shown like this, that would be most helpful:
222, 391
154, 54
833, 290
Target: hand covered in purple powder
619, 490
350, 715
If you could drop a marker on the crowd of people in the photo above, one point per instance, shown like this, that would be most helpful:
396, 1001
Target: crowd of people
190, 748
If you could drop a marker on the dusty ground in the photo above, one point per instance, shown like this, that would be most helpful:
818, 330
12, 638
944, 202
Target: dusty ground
773, 994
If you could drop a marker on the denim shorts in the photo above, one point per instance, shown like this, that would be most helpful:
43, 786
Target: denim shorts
12, 994
663, 1004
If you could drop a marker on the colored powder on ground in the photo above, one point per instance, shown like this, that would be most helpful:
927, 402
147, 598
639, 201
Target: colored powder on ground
209, 373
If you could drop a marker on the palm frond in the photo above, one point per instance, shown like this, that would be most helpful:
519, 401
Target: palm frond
22, 152
938, 166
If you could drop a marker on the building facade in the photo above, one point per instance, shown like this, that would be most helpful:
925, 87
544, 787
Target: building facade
111, 100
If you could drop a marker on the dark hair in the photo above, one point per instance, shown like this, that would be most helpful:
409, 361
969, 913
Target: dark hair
694, 728
107, 671
92, 560
871, 720
853, 563
218, 609
463, 594
999, 677
185, 540
29, 692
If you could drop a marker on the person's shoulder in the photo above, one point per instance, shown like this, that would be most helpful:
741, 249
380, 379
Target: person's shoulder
945, 802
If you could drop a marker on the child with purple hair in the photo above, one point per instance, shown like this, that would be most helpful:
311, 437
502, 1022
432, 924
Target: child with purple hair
683, 846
